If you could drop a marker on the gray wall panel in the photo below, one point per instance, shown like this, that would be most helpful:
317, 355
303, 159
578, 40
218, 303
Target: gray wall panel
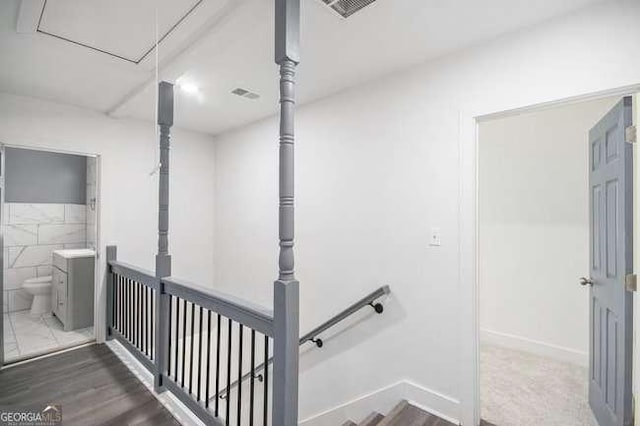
45, 177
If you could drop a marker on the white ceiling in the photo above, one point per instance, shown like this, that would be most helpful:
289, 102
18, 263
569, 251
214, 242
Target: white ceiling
113, 26
45, 67
225, 44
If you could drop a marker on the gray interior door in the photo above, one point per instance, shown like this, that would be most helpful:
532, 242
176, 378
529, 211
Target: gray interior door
611, 259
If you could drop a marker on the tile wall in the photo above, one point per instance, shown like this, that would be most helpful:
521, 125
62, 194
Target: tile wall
31, 233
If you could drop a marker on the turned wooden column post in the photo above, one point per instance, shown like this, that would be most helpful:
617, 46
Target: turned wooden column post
286, 288
165, 121
163, 259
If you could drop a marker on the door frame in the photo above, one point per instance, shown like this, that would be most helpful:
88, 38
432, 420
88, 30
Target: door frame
2, 259
469, 120
97, 276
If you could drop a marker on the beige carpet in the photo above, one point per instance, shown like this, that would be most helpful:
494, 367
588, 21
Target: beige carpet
522, 389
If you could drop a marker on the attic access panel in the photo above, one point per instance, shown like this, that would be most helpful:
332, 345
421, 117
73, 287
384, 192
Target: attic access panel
124, 29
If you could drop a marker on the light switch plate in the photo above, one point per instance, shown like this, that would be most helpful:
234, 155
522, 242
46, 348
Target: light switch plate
435, 238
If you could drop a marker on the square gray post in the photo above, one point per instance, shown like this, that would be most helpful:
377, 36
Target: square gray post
287, 31
161, 330
112, 254
163, 259
285, 353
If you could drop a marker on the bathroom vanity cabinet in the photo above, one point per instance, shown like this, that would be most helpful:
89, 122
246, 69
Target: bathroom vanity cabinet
72, 287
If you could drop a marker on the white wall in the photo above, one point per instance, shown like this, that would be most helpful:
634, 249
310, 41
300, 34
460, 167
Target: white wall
377, 167
534, 229
128, 194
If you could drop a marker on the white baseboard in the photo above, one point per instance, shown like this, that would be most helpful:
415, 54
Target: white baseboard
383, 400
177, 409
534, 346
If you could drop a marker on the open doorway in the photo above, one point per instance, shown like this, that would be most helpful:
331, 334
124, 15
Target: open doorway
49, 236
533, 248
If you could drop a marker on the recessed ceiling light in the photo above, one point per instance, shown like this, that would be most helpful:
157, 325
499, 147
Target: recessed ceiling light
188, 87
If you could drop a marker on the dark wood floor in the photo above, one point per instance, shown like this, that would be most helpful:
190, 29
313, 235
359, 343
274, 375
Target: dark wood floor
90, 383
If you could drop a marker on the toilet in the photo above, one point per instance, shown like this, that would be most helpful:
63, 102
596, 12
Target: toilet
40, 288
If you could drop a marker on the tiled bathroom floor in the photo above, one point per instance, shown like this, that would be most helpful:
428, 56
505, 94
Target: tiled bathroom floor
26, 336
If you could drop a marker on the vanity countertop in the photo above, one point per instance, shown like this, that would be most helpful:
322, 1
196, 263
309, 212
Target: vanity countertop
75, 253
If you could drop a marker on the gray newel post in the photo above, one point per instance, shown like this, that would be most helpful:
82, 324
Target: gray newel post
112, 255
286, 291
163, 259
165, 121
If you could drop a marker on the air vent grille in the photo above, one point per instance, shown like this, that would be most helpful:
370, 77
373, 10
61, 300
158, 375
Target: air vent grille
245, 93
347, 8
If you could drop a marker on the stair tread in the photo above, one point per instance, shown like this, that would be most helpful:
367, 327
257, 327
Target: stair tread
406, 414
393, 413
372, 419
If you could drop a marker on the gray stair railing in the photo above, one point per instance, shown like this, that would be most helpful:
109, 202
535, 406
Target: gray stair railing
214, 346
209, 340
131, 298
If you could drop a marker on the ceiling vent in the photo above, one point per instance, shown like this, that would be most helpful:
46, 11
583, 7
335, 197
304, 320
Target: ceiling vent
347, 8
245, 93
